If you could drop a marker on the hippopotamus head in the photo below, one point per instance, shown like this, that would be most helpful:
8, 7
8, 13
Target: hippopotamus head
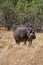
31, 34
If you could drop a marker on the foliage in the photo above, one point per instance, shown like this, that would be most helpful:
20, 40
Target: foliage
25, 12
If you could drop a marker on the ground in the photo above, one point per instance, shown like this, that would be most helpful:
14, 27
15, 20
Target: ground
13, 54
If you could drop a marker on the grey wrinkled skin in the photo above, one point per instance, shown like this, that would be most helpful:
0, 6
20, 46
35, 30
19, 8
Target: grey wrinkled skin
24, 34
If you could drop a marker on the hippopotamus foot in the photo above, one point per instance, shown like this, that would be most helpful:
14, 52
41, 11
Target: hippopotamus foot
30, 42
25, 42
17, 41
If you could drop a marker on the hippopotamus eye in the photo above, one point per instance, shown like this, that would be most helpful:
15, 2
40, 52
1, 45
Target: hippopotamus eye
31, 31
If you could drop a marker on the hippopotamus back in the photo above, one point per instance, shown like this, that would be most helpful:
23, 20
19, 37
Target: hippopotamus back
20, 33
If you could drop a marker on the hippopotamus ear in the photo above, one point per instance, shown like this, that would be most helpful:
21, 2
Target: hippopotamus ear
31, 31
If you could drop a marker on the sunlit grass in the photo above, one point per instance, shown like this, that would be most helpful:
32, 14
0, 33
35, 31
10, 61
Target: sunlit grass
21, 53
6, 38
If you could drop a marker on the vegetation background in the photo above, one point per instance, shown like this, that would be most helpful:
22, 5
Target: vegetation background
16, 12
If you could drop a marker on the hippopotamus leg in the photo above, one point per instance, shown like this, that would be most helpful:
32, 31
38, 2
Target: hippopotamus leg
17, 41
25, 41
30, 42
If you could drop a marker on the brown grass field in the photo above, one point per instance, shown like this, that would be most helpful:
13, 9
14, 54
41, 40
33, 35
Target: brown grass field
13, 54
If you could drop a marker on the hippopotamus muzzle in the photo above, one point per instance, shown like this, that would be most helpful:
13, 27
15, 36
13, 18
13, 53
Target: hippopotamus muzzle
32, 35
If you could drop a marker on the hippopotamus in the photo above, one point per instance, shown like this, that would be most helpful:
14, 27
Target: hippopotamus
24, 34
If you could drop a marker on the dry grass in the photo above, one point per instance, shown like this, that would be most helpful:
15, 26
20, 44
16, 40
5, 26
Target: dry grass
13, 54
